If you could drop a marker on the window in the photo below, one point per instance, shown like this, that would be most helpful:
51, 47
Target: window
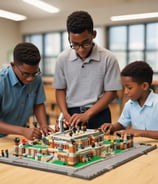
37, 40
118, 43
51, 44
134, 42
152, 45
52, 47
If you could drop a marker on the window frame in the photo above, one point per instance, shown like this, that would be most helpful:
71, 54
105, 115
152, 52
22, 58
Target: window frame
127, 50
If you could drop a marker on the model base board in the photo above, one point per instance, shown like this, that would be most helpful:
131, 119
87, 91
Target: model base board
88, 171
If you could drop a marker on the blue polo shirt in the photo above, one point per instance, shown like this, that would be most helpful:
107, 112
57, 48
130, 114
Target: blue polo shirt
17, 100
143, 118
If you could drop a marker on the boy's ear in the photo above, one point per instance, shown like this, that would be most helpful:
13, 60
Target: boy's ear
12, 64
145, 85
94, 34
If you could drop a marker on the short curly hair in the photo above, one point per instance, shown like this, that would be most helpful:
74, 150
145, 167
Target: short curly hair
140, 72
79, 21
27, 53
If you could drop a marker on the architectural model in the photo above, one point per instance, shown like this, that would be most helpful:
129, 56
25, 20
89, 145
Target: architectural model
81, 153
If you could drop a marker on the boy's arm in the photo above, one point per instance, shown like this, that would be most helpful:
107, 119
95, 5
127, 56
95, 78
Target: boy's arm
29, 133
117, 126
40, 113
61, 101
143, 133
110, 128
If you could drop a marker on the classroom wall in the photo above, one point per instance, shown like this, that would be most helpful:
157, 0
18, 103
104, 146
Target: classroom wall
101, 15
9, 37
43, 25
11, 32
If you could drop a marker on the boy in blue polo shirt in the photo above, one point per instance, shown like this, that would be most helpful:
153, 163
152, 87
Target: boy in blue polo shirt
141, 111
21, 93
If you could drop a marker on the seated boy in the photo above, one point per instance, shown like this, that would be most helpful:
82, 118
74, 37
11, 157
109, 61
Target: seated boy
141, 110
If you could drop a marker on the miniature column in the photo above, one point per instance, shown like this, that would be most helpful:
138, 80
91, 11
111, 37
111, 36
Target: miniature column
60, 122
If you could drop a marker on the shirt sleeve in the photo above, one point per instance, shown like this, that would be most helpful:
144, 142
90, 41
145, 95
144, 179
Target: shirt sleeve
59, 76
40, 93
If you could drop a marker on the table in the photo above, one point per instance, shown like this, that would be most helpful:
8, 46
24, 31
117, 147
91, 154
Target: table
142, 170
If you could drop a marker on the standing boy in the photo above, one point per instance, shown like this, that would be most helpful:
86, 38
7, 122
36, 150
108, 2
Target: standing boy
141, 110
86, 76
22, 93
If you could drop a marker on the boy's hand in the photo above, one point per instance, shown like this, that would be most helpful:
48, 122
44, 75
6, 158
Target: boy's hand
107, 128
65, 125
46, 130
32, 133
76, 119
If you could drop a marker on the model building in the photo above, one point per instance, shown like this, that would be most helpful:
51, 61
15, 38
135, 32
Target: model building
72, 146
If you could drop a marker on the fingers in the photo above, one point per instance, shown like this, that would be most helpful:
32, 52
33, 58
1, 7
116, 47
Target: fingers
76, 119
50, 130
107, 128
47, 130
66, 123
72, 121
56, 128
32, 133
36, 133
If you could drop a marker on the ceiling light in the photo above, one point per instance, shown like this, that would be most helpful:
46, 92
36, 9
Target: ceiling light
42, 5
12, 16
134, 16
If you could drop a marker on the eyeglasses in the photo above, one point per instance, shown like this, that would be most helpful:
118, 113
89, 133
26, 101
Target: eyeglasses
84, 45
25, 74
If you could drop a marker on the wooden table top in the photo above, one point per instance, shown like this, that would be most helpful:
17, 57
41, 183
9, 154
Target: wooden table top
142, 170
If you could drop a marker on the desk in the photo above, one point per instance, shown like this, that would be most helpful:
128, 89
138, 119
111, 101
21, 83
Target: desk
142, 170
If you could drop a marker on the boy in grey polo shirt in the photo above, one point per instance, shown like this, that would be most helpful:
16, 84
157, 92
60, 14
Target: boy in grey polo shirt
86, 76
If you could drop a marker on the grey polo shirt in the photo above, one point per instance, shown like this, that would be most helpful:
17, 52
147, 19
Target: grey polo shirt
86, 81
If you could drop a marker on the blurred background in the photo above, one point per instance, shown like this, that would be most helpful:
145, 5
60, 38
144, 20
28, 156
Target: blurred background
130, 39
